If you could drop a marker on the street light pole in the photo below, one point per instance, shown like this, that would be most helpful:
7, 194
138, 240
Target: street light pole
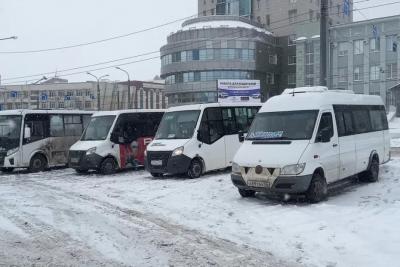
129, 87
98, 87
38, 95
8, 38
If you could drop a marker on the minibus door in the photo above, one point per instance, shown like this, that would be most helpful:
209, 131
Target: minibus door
327, 147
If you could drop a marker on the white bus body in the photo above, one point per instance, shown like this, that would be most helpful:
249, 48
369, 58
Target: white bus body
195, 139
115, 140
38, 139
307, 138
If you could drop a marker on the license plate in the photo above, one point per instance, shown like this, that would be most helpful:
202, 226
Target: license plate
260, 184
156, 162
74, 160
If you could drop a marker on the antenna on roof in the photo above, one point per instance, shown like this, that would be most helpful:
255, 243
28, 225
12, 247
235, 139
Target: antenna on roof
293, 92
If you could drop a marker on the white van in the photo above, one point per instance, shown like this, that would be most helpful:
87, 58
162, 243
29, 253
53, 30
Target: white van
195, 139
115, 140
307, 138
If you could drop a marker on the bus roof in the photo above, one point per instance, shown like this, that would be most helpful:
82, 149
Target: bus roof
42, 111
119, 112
315, 98
212, 105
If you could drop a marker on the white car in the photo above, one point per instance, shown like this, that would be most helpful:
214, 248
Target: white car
308, 138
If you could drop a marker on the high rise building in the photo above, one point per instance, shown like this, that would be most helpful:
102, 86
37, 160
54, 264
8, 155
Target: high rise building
278, 16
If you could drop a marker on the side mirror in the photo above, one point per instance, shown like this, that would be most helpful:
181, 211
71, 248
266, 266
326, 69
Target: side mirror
324, 136
27, 132
241, 136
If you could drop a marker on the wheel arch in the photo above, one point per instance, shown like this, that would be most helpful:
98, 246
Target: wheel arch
374, 155
203, 163
39, 152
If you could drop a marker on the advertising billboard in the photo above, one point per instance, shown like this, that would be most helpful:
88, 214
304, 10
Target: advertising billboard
239, 91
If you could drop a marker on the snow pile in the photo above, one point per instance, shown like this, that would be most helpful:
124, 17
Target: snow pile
394, 126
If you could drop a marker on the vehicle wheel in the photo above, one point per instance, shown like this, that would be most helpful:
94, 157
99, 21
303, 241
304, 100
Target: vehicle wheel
7, 170
372, 174
80, 171
195, 169
108, 166
156, 175
38, 163
318, 189
247, 193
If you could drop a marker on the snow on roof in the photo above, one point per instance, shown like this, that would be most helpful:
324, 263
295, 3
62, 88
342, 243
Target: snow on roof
43, 111
222, 24
118, 112
315, 37
202, 106
301, 39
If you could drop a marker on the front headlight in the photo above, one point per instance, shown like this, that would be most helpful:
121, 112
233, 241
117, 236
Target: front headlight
178, 151
12, 151
294, 169
235, 168
91, 151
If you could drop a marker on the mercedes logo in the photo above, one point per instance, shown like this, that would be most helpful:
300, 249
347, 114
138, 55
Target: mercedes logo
259, 169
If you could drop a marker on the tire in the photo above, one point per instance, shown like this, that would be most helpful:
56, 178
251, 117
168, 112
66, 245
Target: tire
80, 171
7, 170
108, 166
318, 189
195, 169
372, 174
38, 163
247, 193
156, 175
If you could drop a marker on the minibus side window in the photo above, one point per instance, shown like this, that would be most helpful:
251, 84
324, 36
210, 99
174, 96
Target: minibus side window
56, 126
362, 123
242, 119
348, 122
73, 125
340, 123
39, 125
211, 128
228, 117
326, 125
376, 120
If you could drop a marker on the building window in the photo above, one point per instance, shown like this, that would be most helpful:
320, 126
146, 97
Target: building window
273, 59
374, 45
374, 72
311, 15
292, 60
358, 46
88, 105
270, 78
391, 71
268, 20
309, 81
292, 78
391, 43
60, 104
52, 105
357, 74
292, 16
342, 47
342, 75
292, 39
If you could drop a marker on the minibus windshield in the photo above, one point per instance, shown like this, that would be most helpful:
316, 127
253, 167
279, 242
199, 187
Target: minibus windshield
98, 128
178, 125
10, 131
288, 125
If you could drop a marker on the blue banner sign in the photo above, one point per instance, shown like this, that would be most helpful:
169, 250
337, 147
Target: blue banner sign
230, 91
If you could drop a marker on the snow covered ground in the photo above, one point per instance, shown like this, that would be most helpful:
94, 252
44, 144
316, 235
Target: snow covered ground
130, 218
394, 126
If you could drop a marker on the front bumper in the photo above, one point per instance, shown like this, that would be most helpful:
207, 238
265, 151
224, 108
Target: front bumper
170, 165
80, 161
282, 184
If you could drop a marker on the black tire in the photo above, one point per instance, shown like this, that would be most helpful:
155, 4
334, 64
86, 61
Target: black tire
80, 171
38, 163
372, 174
108, 166
318, 189
247, 193
7, 170
156, 175
195, 169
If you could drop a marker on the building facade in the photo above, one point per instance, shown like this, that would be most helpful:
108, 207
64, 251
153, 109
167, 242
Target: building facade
221, 47
82, 95
278, 16
363, 57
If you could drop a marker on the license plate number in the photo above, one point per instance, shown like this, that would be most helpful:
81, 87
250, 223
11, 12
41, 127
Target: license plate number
260, 184
156, 162
74, 160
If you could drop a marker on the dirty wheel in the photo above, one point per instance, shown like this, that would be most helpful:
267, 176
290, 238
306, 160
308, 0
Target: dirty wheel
38, 163
156, 175
195, 169
372, 174
318, 189
81, 171
108, 166
247, 193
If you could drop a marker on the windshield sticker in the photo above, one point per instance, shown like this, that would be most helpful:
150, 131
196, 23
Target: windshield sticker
266, 135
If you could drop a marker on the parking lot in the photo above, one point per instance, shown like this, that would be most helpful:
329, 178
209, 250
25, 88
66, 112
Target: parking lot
59, 217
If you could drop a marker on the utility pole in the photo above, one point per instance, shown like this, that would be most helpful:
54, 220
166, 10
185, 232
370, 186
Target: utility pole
98, 87
38, 92
324, 43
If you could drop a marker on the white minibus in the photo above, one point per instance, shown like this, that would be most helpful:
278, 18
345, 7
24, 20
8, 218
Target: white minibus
195, 139
115, 140
308, 138
38, 139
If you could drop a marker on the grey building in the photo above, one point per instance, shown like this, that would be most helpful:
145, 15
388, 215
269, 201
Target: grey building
221, 47
60, 94
277, 16
363, 57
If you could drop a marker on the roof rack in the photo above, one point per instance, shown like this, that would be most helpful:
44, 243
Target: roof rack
313, 89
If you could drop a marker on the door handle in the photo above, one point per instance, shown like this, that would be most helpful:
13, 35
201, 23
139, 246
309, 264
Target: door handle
335, 145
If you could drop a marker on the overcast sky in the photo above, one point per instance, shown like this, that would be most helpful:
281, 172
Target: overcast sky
41, 24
